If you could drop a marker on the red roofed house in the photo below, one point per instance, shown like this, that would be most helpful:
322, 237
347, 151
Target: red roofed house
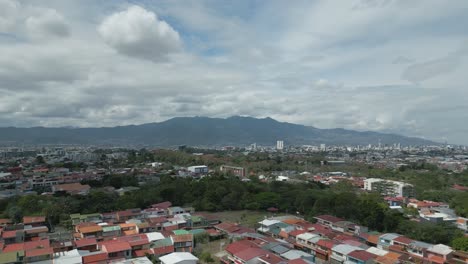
116, 249
361, 257
96, 257
137, 242
13, 236
89, 230
327, 220
323, 250
86, 244
72, 188
402, 241
271, 259
182, 243
33, 251
34, 220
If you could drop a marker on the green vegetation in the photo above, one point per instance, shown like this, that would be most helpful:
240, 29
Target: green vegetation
460, 243
218, 193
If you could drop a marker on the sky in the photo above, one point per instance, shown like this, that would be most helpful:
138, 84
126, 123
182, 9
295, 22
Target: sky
394, 66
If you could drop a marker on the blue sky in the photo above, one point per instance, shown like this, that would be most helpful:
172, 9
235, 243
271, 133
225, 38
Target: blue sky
383, 65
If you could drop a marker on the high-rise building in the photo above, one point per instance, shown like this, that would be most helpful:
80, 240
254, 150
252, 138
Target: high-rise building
323, 147
279, 144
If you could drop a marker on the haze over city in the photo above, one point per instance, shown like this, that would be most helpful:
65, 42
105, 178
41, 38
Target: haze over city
380, 65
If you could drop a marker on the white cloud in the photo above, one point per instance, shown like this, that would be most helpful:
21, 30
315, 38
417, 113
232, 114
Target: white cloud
321, 63
138, 32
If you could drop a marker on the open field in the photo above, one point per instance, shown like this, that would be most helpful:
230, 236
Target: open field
244, 217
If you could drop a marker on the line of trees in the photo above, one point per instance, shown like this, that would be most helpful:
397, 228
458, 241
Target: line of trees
220, 193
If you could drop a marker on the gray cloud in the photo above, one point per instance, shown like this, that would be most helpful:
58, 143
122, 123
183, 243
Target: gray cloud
48, 23
423, 71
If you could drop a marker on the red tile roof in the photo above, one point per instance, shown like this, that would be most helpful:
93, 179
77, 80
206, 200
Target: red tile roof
227, 227
272, 259
182, 238
295, 233
13, 247
9, 234
73, 188
362, 255
39, 252
403, 240
251, 253
239, 246
326, 243
163, 250
163, 205
95, 258
115, 246
85, 242
135, 240
27, 220
297, 261
143, 252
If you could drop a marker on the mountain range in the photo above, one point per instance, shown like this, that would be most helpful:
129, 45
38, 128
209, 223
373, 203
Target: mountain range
203, 131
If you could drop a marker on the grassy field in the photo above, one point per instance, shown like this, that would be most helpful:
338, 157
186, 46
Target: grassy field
245, 218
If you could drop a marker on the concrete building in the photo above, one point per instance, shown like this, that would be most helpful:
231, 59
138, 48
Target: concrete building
389, 187
201, 169
279, 145
236, 171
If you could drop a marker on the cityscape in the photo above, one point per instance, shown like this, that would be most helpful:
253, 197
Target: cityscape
233, 132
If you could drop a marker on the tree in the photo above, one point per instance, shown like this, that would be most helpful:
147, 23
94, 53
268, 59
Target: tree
206, 257
15, 214
460, 243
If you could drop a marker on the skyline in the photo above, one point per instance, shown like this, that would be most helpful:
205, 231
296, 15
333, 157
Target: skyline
378, 65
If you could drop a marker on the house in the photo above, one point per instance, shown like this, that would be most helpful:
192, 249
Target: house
95, 257
271, 259
327, 220
137, 242
110, 231
361, 257
72, 188
162, 246
295, 254
266, 224
179, 258
418, 248
116, 249
31, 251
34, 233
308, 241
340, 253
402, 241
89, 230
34, 220
82, 218
439, 253
128, 229
89, 244
323, 251
386, 240
175, 210
12, 236
182, 243
126, 215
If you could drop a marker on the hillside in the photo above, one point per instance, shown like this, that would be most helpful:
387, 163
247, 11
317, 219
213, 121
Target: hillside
202, 131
